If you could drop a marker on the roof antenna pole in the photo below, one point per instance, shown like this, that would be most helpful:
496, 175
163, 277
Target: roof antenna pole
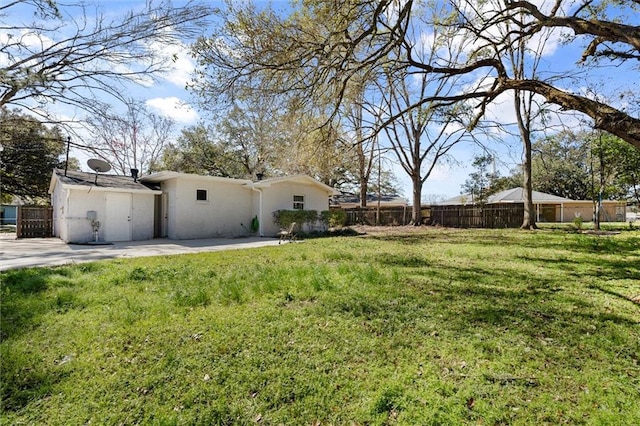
66, 162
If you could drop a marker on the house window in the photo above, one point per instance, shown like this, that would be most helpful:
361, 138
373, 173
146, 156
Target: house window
298, 202
201, 195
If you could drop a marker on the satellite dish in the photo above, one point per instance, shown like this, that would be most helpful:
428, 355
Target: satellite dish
98, 165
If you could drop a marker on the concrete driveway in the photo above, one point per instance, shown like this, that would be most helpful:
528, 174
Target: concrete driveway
28, 252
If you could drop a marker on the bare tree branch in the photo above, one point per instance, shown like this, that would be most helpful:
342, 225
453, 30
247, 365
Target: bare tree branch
76, 60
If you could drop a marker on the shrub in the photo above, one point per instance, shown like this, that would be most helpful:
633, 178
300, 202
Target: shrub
284, 218
333, 218
577, 222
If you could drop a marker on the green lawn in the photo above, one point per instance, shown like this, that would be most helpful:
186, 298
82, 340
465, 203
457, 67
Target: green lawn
435, 327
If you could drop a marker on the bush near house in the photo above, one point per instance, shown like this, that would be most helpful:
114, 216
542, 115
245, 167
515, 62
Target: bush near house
329, 218
334, 218
284, 218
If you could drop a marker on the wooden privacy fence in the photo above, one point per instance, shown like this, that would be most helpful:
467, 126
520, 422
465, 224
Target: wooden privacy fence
388, 217
489, 216
34, 222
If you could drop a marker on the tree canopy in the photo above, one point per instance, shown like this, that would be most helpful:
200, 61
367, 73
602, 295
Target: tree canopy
29, 151
320, 47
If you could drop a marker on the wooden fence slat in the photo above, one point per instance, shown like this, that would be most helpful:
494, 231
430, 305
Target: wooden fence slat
34, 222
397, 216
472, 216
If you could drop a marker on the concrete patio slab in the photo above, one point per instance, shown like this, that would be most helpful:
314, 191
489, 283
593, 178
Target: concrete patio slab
23, 253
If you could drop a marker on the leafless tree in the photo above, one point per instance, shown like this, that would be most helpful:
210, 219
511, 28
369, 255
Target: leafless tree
362, 140
132, 140
421, 137
75, 55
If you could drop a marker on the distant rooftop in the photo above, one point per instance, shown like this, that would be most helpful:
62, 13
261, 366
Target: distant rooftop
372, 199
513, 195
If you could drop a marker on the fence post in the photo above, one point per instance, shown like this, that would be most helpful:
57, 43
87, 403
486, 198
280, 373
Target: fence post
19, 222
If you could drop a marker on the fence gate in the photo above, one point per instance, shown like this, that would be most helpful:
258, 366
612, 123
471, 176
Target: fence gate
34, 222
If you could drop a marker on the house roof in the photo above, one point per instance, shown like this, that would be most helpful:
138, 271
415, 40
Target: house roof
100, 182
516, 195
513, 195
166, 175
264, 183
301, 178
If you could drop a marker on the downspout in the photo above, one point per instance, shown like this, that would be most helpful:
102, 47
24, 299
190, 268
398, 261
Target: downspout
259, 210
67, 193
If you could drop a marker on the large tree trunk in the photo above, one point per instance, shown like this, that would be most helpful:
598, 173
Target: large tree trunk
363, 170
524, 126
529, 218
363, 191
416, 211
364, 175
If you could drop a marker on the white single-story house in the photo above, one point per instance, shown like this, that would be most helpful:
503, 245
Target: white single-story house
176, 205
550, 208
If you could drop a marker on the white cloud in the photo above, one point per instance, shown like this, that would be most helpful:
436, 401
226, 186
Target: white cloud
182, 71
545, 43
19, 42
445, 181
174, 108
180, 65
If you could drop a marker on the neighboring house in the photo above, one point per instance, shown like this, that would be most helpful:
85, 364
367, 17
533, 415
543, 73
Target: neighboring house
9, 211
8, 214
352, 201
123, 207
176, 205
549, 208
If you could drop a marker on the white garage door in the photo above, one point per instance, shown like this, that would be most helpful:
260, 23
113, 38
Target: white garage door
117, 225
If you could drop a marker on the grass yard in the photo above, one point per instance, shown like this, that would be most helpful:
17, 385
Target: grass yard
438, 326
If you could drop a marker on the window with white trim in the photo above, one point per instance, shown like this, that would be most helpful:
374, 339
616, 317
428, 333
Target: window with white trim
298, 202
202, 195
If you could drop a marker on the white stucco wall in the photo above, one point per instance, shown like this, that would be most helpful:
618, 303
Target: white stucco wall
226, 213
79, 202
70, 207
279, 196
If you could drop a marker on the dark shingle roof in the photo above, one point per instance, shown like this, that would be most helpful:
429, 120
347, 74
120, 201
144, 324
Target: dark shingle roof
103, 181
347, 198
513, 195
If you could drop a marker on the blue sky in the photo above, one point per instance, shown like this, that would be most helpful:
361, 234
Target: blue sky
169, 97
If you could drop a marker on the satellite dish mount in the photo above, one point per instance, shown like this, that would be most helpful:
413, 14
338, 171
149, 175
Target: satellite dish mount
98, 166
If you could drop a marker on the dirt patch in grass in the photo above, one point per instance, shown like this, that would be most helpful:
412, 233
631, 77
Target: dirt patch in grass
593, 232
397, 230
